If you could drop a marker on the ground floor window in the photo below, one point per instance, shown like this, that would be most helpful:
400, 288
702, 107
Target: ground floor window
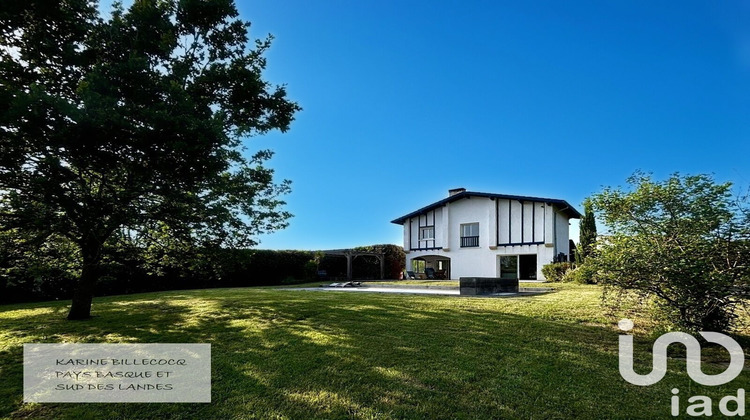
521, 267
418, 266
509, 267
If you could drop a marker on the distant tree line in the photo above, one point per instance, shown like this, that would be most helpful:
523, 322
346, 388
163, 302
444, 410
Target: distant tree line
38, 272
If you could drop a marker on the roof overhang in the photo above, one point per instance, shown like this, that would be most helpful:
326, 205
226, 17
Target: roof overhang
561, 205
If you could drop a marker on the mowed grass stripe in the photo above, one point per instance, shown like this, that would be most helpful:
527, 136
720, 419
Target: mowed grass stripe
290, 354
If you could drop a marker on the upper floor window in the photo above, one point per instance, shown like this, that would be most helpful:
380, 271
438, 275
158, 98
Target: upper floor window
427, 233
470, 235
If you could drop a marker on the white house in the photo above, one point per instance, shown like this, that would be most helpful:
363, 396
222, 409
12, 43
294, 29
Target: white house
473, 234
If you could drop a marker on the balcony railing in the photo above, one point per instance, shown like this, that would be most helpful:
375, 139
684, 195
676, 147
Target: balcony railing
469, 241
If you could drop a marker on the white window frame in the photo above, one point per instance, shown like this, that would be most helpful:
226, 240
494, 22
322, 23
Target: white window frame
468, 225
424, 229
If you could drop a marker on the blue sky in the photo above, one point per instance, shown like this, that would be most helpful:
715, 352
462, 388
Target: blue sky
404, 100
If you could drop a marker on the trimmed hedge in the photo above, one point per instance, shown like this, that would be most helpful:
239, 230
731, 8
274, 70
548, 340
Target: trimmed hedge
125, 271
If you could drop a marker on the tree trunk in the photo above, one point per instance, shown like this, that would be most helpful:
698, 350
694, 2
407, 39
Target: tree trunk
84, 293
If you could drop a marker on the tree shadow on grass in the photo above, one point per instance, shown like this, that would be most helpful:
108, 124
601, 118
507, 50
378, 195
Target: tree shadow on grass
319, 355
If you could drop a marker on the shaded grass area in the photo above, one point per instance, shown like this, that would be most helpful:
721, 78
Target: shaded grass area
291, 354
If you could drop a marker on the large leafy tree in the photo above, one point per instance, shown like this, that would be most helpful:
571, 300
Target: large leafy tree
134, 120
682, 243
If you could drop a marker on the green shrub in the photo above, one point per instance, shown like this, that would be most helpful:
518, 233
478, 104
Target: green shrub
369, 268
292, 280
555, 271
583, 274
311, 270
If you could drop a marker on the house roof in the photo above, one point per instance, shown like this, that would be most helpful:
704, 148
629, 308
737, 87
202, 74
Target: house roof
563, 205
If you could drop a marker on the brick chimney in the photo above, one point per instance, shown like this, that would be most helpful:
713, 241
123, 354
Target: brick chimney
455, 191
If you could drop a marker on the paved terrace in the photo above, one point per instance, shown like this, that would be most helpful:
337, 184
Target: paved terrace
416, 290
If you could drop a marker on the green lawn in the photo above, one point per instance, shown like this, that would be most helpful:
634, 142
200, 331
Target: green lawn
445, 283
290, 354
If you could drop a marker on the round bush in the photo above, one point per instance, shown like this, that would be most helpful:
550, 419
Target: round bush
555, 271
583, 274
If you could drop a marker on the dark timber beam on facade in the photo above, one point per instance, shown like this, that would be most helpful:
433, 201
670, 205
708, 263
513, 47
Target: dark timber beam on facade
351, 254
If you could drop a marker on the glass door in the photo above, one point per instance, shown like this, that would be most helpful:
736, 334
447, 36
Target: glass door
509, 267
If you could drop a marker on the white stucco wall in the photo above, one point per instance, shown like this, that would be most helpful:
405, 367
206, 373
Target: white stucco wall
563, 234
413, 225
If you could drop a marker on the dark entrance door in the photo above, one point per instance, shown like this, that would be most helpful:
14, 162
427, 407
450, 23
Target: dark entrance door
527, 267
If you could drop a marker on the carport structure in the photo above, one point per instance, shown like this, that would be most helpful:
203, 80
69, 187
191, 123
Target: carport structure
351, 254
